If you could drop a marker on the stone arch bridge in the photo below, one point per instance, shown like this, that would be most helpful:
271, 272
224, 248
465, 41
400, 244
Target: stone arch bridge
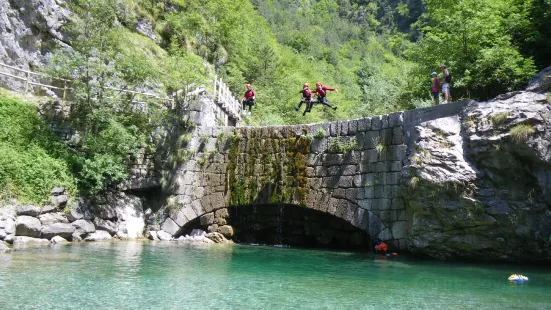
354, 170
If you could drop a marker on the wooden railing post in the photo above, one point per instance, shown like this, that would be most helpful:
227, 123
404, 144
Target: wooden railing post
220, 90
27, 82
214, 87
64, 89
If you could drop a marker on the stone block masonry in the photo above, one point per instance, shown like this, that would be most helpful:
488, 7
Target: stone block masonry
349, 169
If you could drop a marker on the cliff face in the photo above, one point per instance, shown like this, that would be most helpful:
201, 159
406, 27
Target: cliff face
478, 185
29, 30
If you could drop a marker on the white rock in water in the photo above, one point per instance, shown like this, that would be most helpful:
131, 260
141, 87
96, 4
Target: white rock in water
58, 239
21, 240
4, 248
98, 235
153, 235
164, 236
198, 232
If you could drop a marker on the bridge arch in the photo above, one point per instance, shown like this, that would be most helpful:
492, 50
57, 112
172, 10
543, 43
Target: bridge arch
347, 169
281, 224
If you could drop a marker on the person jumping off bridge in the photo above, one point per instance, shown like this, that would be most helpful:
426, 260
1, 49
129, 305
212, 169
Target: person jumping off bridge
306, 98
321, 92
249, 98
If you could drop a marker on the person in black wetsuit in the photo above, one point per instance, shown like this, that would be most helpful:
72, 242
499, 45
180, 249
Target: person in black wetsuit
306, 98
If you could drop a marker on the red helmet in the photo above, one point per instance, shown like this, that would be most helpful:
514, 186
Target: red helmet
305, 85
248, 85
318, 84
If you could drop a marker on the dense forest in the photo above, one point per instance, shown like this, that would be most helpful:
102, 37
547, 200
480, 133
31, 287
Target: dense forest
377, 53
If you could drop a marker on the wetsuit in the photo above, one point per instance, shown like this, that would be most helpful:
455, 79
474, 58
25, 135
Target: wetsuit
248, 99
322, 93
382, 247
306, 98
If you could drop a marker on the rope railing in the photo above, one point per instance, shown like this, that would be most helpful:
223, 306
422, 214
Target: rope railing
29, 82
28, 79
221, 93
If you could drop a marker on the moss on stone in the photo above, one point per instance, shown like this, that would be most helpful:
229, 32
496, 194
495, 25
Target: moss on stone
282, 160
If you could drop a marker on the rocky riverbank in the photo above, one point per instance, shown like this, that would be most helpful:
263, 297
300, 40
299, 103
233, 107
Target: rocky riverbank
121, 217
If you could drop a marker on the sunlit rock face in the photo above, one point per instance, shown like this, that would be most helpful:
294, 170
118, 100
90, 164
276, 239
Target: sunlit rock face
29, 31
478, 185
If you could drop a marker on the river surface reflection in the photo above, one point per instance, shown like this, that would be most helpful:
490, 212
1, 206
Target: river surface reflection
157, 275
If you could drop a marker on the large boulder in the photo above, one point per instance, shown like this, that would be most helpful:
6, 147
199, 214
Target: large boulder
83, 227
48, 209
28, 226
60, 201
4, 248
99, 235
194, 239
29, 210
216, 237
152, 235
540, 82
106, 212
57, 190
105, 225
7, 211
77, 236
58, 240
226, 230
24, 240
164, 236
9, 239
10, 226
51, 218
2, 234
58, 229
80, 211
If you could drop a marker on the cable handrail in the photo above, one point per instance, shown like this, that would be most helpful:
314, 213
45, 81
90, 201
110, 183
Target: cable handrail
221, 92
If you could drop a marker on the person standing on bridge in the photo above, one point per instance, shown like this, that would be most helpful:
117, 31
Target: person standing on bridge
447, 77
321, 92
435, 88
249, 98
306, 98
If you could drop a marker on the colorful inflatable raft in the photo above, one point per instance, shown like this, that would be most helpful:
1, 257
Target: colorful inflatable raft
518, 278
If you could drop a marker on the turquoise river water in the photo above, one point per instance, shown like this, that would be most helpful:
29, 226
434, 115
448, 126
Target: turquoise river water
147, 275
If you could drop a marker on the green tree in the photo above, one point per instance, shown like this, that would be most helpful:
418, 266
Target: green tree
112, 124
471, 37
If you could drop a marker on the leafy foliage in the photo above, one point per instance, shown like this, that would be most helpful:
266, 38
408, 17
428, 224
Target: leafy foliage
474, 39
32, 160
369, 50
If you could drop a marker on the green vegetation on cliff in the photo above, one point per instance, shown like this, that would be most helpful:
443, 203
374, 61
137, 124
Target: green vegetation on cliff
32, 160
377, 53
